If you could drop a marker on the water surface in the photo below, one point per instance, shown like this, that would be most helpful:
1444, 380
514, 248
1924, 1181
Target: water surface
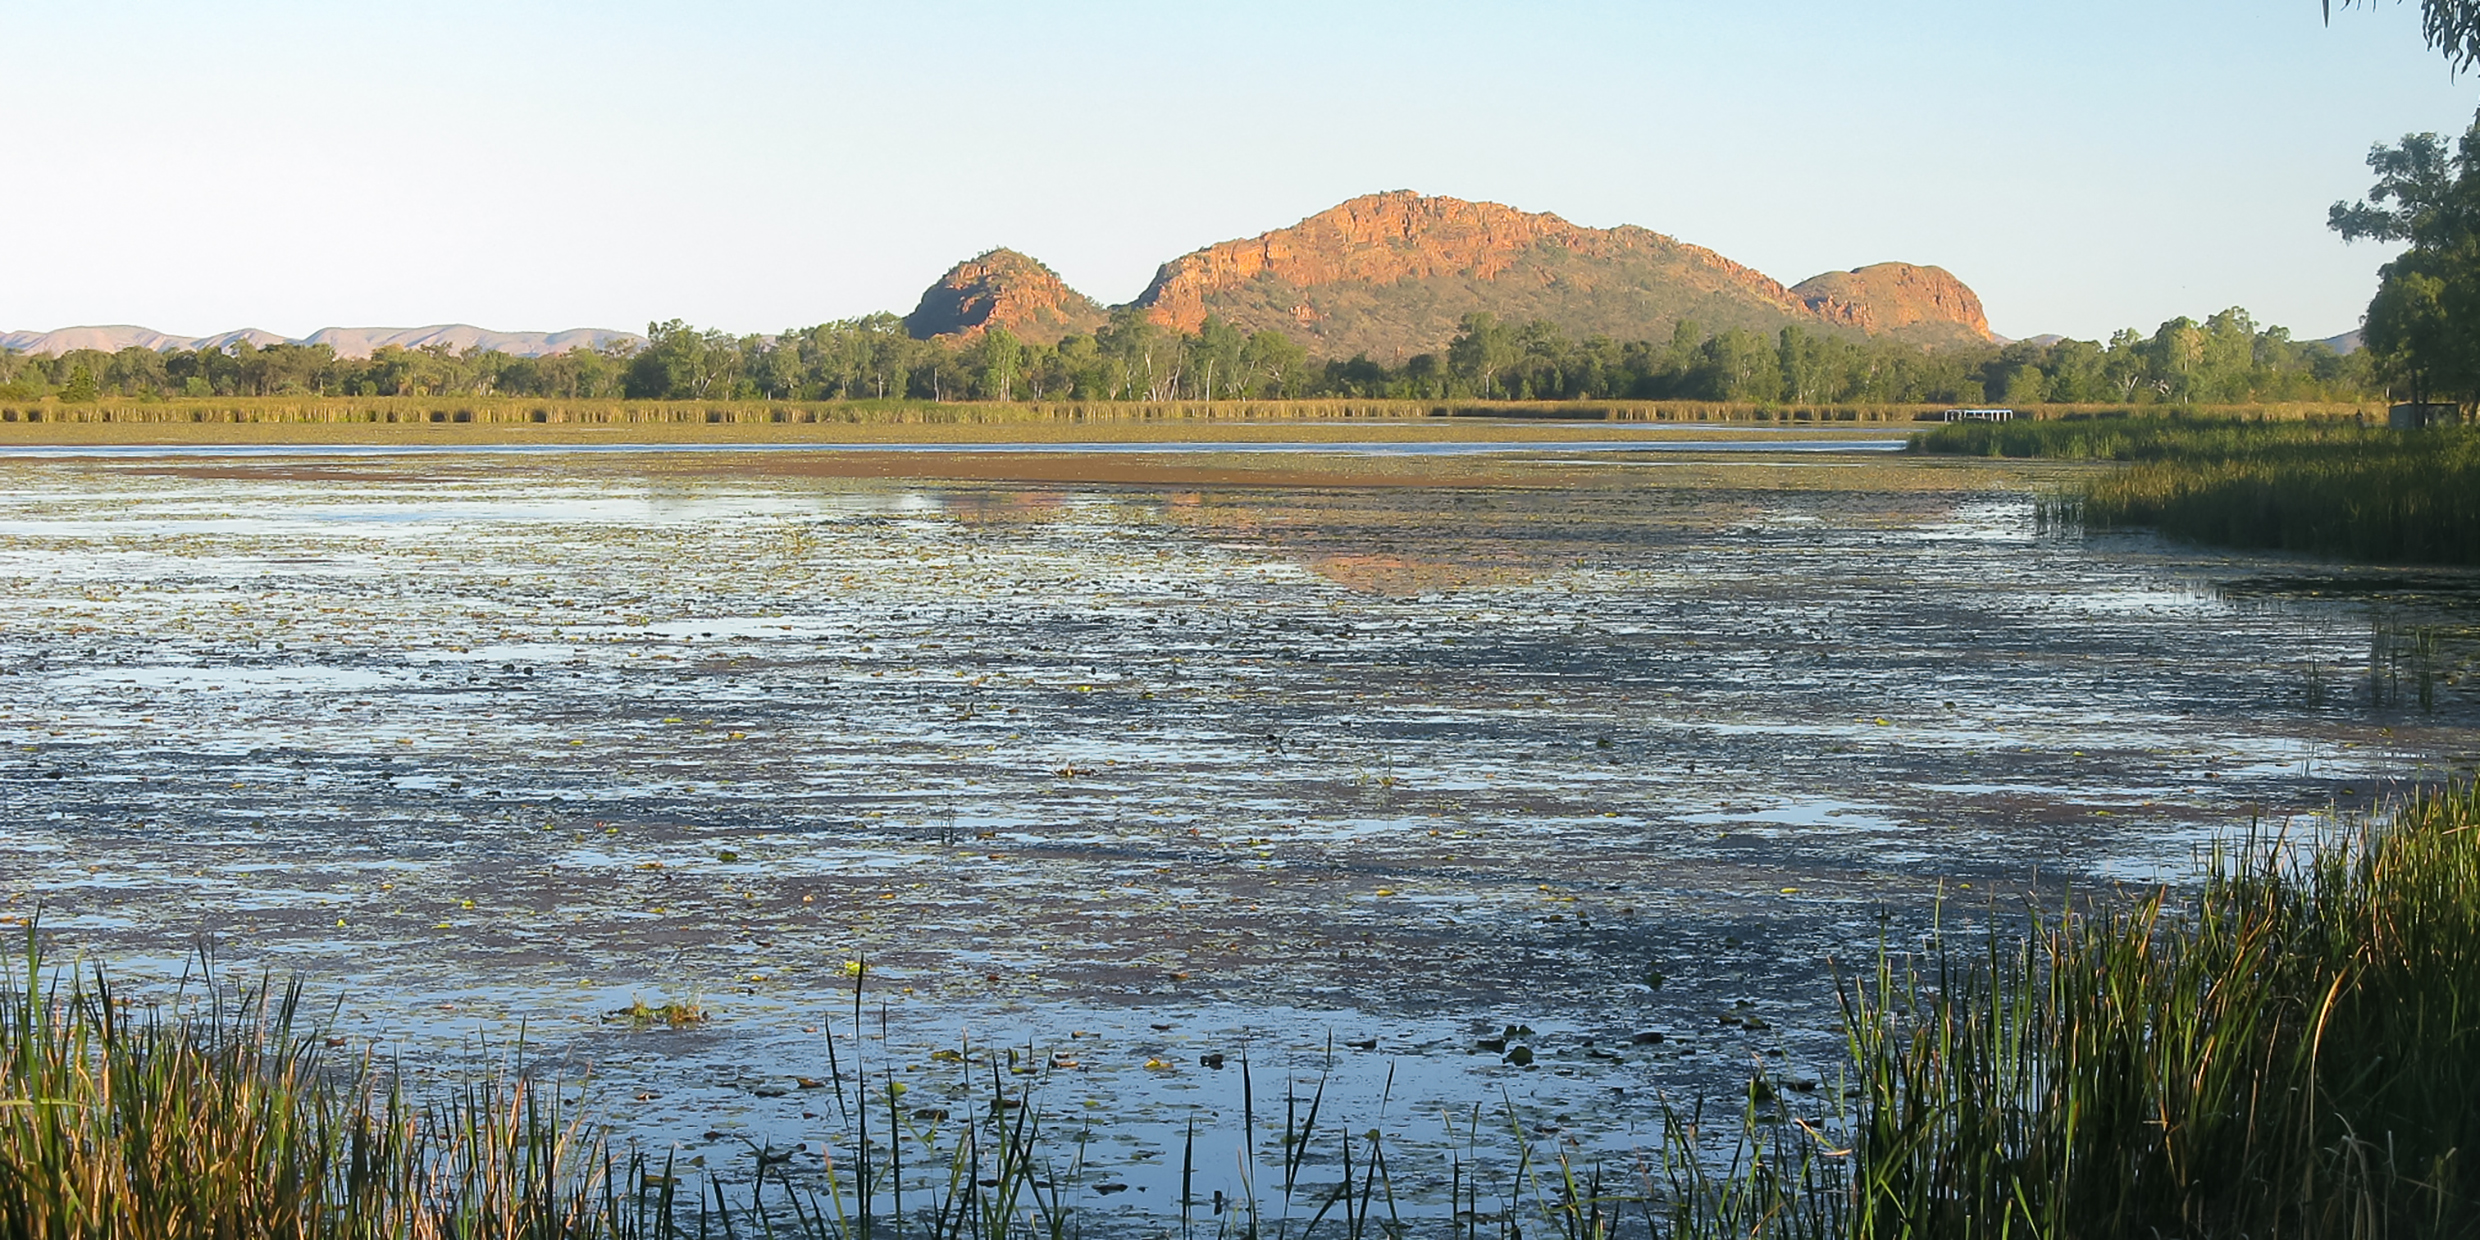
1129, 774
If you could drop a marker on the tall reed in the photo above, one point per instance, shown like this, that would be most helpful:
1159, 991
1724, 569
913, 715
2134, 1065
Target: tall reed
231, 1121
2327, 488
2294, 1052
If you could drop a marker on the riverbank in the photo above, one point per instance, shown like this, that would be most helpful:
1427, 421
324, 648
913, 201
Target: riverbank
401, 419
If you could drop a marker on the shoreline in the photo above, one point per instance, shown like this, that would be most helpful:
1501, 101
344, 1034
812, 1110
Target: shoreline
909, 436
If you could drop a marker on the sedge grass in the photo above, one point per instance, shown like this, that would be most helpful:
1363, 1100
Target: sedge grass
2332, 488
230, 1121
2294, 1052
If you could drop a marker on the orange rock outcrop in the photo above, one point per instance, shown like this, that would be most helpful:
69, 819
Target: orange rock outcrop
1003, 288
1383, 239
1888, 297
1391, 275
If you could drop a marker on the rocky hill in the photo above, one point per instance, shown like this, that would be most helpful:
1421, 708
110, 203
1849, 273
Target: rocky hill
1923, 303
112, 338
1004, 289
1391, 274
363, 341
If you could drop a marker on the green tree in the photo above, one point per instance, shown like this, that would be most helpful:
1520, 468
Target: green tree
999, 358
2172, 356
2423, 326
2076, 372
1358, 377
1740, 365
2226, 358
1214, 359
1482, 348
681, 363
779, 371
1425, 376
1148, 357
1084, 374
1275, 364
2025, 385
80, 389
136, 370
1808, 366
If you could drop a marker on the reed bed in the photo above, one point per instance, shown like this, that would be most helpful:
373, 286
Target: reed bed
2333, 488
229, 1120
2293, 1051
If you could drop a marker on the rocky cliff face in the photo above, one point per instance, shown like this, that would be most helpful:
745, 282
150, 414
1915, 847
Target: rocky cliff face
1899, 298
1391, 275
1004, 289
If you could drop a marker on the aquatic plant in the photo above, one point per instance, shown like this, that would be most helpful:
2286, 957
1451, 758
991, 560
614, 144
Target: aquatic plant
2293, 1051
2328, 488
670, 1014
228, 1118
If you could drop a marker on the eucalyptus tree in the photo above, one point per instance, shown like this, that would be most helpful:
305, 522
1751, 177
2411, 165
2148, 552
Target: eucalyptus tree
2451, 26
2424, 322
1482, 348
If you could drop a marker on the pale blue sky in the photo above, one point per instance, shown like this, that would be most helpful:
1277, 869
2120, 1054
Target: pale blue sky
753, 166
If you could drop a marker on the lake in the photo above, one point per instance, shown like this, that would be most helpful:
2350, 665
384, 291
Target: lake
1118, 768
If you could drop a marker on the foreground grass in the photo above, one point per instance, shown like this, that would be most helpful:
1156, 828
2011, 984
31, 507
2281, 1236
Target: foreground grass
2332, 488
228, 1121
2292, 1050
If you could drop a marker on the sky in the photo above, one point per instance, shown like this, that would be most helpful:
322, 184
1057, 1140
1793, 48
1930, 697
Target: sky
756, 166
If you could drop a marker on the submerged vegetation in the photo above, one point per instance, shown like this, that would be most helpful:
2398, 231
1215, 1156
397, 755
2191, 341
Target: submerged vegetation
2333, 488
2292, 1049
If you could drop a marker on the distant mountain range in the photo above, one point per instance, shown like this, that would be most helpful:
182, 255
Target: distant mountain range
1392, 274
347, 341
1388, 275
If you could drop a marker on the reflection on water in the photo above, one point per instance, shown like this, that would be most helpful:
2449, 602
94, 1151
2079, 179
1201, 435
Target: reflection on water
1592, 437
1187, 770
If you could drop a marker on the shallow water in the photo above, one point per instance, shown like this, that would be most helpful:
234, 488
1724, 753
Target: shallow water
1596, 438
1126, 776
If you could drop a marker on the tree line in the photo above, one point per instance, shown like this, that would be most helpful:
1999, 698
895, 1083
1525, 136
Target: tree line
2226, 359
